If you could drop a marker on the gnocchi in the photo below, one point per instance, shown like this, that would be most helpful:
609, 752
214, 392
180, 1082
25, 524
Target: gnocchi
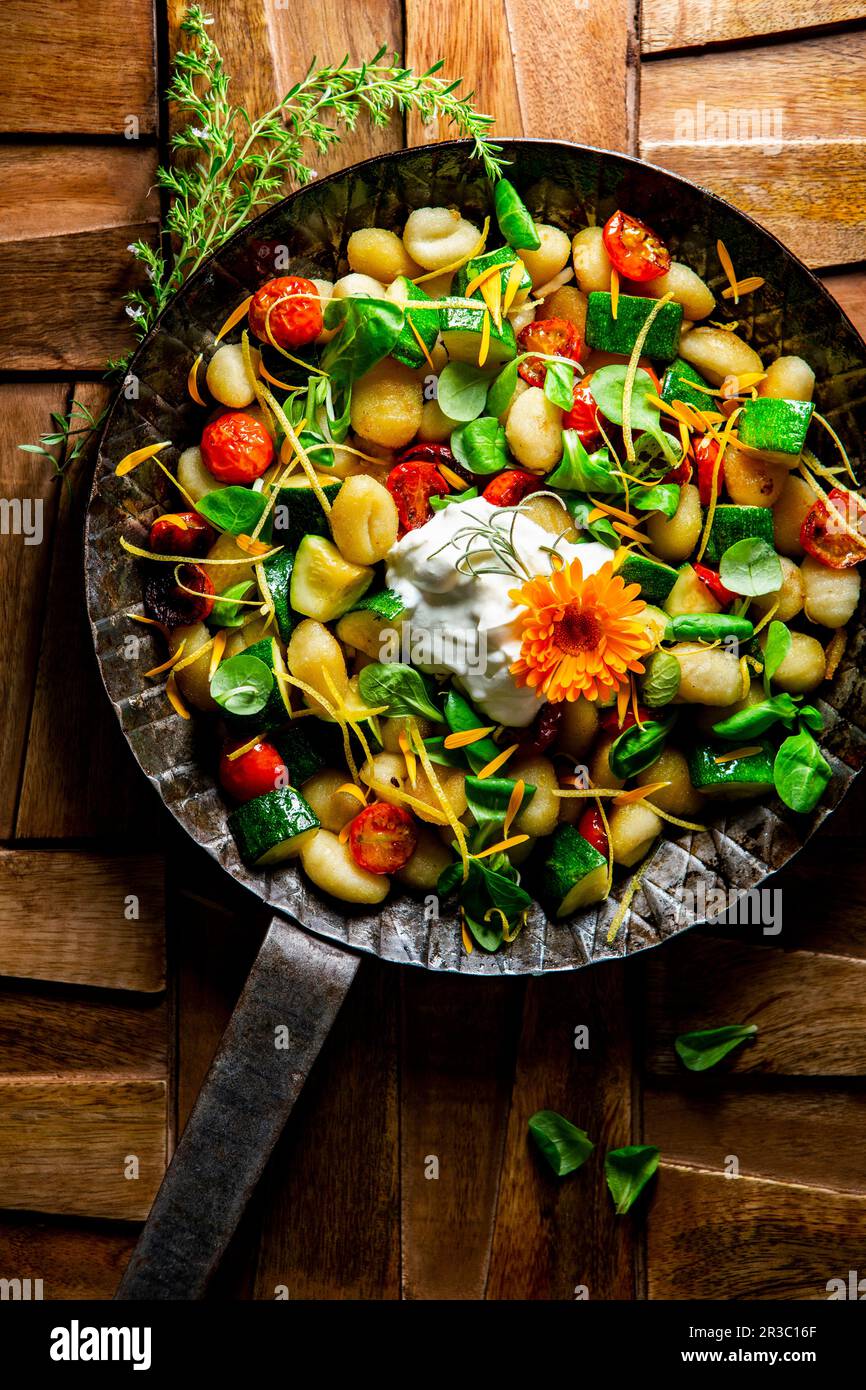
434, 237
534, 430
364, 520
332, 867
386, 404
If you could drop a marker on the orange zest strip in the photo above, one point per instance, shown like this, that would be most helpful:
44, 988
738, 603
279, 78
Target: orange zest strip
491, 293
484, 277
409, 757
350, 789
173, 694
461, 260
182, 559
284, 386
626, 901
614, 292
496, 763
140, 618
138, 456
167, 665
192, 381
502, 846
839, 445
623, 530
345, 832
234, 318
216, 656
420, 341
447, 808
607, 509
515, 801
467, 940
728, 268
252, 547
485, 339
747, 752
451, 477
638, 793
675, 820
723, 441
467, 736
245, 747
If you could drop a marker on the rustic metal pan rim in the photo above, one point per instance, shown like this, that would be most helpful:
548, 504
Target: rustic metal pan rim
479, 963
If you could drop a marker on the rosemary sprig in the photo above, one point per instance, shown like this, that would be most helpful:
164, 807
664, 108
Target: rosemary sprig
230, 166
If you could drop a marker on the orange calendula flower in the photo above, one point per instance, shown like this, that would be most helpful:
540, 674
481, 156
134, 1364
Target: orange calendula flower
579, 636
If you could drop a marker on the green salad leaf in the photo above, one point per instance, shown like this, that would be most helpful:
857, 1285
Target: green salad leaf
480, 445
635, 748
491, 888
704, 1049
628, 1171
234, 509
462, 390
400, 687
751, 567
664, 498
559, 383
758, 718
662, 680
607, 386
801, 773
369, 328
776, 648
579, 471
565, 1147
242, 685
601, 529
439, 501
225, 613
460, 717
502, 388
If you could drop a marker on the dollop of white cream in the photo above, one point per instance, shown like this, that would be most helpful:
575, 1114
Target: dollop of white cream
465, 624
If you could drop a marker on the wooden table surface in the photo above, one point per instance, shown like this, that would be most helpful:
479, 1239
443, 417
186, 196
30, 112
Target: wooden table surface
124, 949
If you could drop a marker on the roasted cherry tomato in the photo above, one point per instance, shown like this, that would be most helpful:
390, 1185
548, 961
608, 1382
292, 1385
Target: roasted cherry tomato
830, 530
555, 337
705, 452
681, 474
591, 827
542, 732
511, 487
236, 448
181, 533
259, 770
287, 311
382, 838
634, 249
412, 485
609, 719
176, 598
712, 579
583, 416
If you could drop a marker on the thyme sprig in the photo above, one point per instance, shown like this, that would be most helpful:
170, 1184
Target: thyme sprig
488, 546
229, 166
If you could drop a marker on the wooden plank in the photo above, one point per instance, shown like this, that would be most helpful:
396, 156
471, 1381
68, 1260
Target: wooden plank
775, 146
710, 1237
71, 67
329, 1208
554, 1235
74, 188
849, 288
25, 481
57, 1030
65, 1145
475, 43
268, 47
667, 24
457, 1052
73, 1260
809, 1136
63, 917
95, 788
810, 1009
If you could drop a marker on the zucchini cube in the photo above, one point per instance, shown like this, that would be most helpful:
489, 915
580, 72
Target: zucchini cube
407, 349
461, 334
609, 334
775, 427
503, 256
678, 384
732, 523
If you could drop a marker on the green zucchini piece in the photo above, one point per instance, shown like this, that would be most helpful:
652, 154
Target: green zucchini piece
503, 256
426, 322
363, 626
298, 512
461, 334
609, 334
732, 523
690, 595
574, 874
775, 426
514, 218
306, 746
655, 620
655, 579
273, 827
678, 384
324, 585
278, 575
736, 778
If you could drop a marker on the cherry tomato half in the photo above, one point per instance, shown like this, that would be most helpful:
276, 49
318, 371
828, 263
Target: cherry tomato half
412, 485
511, 487
634, 249
713, 581
705, 452
382, 838
682, 473
583, 416
293, 322
609, 719
175, 600
181, 533
259, 770
236, 448
542, 732
591, 827
830, 530
556, 337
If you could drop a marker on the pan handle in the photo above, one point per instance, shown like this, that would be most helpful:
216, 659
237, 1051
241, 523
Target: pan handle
292, 995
